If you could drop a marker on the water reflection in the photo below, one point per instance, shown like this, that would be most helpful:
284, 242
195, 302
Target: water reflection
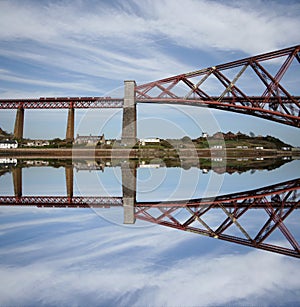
256, 207
275, 201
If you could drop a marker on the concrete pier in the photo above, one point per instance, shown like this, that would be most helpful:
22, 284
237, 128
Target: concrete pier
69, 180
129, 114
70, 125
19, 124
129, 191
17, 181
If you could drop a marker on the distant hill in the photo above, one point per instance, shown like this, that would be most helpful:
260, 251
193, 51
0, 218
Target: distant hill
240, 139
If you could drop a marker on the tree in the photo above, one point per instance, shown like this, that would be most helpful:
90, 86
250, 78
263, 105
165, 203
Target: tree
186, 139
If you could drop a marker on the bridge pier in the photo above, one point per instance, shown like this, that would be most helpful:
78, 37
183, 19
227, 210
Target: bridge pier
70, 125
129, 114
19, 124
17, 181
129, 191
69, 180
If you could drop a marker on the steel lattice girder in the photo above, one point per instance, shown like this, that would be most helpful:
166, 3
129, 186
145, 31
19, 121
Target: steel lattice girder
291, 188
277, 201
62, 103
61, 201
288, 192
275, 103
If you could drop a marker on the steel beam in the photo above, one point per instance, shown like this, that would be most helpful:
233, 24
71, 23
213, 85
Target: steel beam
276, 103
62, 201
276, 201
62, 103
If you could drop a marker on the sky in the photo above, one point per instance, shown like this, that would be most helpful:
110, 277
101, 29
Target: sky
88, 48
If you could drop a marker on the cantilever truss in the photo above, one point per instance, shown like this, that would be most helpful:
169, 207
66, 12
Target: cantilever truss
224, 217
228, 87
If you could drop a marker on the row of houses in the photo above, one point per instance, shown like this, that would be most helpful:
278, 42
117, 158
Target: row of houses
8, 144
37, 143
91, 140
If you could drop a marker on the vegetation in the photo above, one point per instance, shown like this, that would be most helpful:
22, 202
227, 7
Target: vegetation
4, 135
236, 141
232, 140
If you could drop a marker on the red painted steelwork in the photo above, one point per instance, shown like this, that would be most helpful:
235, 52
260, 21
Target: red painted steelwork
242, 199
62, 103
277, 201
61, 201
237, 199
274, 103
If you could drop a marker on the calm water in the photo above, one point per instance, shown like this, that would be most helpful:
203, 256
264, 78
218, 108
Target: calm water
87, 256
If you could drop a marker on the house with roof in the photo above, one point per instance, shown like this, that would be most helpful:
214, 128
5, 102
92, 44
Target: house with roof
89, 140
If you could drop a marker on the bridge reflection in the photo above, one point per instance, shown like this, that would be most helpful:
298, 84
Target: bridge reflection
247, 218
276, 202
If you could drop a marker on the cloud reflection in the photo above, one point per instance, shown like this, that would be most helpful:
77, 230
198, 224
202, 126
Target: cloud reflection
74, 258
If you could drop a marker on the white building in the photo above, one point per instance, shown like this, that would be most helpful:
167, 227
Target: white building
217, 147
6, 161
8, 144
151, 165
143, 142
37, 143
217, 159
90, 140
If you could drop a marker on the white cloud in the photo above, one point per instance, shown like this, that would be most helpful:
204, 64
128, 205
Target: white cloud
7, 76
119, 41
198, 24
248, 26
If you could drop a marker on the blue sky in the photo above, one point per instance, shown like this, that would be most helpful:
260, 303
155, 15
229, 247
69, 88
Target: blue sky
88, 48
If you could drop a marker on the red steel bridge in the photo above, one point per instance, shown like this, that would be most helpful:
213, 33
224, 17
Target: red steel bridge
248, 218
225, 87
